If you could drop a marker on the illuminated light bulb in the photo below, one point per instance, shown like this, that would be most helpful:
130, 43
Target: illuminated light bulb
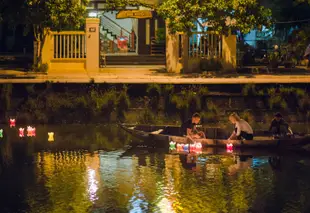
21, 132
172, 145
1, 133
12, 122
186, 147
50, 136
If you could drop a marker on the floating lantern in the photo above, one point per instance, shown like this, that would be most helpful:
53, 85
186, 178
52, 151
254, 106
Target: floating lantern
1, 133
12, 122
21, 132
180, 146
192, 147
186, 147
198, 147
229, 147
50, 136
172, 145
31, 131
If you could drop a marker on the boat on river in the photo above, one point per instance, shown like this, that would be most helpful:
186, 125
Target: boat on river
216, 137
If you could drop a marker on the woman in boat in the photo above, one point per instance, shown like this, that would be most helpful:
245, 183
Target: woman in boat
242, 130
189, 128
279, 127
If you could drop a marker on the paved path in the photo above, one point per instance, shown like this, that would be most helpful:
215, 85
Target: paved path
145, 74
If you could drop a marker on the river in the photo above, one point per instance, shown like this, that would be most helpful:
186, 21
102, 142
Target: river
86, 168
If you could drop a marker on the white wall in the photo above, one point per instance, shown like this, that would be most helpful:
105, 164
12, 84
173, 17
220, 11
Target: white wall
124, 23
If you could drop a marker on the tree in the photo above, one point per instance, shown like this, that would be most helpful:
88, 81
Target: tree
222, 15
44, 15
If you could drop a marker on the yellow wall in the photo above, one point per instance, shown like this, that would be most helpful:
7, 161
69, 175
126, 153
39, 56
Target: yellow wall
229, 49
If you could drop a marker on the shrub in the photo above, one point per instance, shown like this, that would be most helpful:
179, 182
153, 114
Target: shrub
123, 104
146, 117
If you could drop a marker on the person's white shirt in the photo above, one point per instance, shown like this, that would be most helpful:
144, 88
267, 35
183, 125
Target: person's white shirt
244, 126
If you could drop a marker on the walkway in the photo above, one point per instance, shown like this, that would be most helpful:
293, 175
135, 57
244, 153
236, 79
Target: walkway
147, 74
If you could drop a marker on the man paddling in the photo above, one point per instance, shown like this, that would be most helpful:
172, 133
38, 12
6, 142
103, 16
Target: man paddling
189, 128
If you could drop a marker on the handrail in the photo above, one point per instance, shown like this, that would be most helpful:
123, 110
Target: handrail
116, 24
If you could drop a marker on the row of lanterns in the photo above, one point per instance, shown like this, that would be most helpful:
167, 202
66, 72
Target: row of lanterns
31, 131
195, 147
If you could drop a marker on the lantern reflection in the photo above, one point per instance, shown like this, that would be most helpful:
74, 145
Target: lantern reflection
1, 133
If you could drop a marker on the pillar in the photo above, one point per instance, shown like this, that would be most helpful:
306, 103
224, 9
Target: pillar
172, 51
229, 52
92, 44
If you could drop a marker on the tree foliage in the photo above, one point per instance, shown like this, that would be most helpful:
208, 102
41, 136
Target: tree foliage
41, 16
222, 15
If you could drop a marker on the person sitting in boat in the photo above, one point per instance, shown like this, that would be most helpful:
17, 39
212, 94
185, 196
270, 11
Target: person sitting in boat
242, 130
279, 127
189, 127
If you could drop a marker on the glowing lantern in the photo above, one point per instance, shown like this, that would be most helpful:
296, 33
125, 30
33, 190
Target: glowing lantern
198, 147
12, 122
21, 132
192, 147
50, 136
31, 131
229, 147
172, 145
1, 133
180, 147
186, 147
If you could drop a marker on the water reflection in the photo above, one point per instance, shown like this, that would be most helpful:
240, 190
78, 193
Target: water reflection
40, 176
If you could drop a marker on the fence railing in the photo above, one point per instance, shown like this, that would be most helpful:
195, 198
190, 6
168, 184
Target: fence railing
206, 45
69, 45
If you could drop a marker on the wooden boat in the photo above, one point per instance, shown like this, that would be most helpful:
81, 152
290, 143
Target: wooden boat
163, 135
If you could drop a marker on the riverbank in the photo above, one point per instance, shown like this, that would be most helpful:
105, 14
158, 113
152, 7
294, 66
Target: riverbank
152, 74
53, 103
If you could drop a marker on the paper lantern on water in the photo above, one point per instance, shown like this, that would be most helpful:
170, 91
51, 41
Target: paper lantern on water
1, 133
229, 147
31, 131
186, 147
180, 146
12, 122
192, 147
198, 147
50, 136
172, 145
21, 132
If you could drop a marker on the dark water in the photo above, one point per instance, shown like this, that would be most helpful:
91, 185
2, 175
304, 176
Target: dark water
61, 176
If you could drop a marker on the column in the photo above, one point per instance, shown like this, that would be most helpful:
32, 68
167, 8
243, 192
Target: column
92, 44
